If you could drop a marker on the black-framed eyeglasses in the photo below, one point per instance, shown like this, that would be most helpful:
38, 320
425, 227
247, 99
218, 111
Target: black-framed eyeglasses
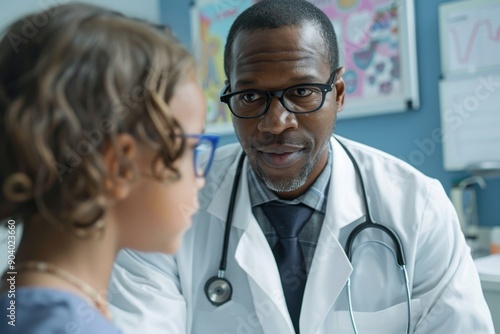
203, 152
299, 99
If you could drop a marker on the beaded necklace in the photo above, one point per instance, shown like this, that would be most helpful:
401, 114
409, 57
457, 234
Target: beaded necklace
99, 302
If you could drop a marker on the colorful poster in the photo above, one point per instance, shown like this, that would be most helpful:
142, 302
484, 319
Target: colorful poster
368, 36
370, 45
214, 20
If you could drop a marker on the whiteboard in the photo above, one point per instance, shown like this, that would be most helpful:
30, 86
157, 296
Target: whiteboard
470, 36
470, 118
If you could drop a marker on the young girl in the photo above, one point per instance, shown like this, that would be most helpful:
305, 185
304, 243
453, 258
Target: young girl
100, 145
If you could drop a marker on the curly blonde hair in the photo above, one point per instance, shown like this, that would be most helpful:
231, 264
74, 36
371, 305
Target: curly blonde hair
66, 91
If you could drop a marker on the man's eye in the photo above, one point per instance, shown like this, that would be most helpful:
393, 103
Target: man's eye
250, 97
302, 91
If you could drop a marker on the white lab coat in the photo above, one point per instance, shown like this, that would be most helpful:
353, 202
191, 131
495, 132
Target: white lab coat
155, 293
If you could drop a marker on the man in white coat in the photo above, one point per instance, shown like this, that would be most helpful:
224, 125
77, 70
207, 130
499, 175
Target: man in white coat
284, 89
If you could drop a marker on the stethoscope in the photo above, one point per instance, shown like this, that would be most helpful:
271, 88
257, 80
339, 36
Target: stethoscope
218, 289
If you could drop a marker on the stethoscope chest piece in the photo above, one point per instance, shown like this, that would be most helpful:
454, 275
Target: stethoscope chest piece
218, 290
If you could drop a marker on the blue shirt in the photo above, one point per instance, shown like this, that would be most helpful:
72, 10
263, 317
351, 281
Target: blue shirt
38, 310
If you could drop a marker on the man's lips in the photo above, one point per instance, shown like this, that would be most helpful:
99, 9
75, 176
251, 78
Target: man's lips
281, 156
280, 149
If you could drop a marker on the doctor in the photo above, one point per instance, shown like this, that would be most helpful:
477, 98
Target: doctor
284, 89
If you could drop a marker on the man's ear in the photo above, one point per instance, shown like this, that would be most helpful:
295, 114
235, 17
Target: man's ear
340, 89
119, 158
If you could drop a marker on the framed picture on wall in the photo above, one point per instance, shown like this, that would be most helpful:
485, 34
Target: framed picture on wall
377, 48
211, 21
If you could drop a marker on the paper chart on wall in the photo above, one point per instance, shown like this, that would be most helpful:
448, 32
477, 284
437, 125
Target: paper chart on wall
470, 36
470, 119
376, 40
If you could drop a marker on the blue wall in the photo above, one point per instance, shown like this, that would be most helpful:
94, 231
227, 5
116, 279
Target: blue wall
176, 14
405, 135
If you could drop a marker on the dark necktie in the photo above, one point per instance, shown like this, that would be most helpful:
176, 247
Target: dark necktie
288, 221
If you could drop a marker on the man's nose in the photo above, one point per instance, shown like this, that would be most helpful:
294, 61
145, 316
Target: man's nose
277, 119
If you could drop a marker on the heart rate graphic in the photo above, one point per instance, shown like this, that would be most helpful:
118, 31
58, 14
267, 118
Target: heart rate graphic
483, 30
470, 36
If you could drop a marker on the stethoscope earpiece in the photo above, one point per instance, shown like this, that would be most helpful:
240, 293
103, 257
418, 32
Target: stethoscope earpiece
218, 290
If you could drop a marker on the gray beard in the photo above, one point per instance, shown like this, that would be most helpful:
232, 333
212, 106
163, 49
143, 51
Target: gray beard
283, 184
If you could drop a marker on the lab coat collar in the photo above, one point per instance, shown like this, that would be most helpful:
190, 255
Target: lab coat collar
219, 205
345, 197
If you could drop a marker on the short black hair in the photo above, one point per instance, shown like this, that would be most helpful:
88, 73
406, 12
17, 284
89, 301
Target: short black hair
273, 14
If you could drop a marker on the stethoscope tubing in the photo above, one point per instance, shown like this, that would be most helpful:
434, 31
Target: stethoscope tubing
218, 289
370, 223
229, 218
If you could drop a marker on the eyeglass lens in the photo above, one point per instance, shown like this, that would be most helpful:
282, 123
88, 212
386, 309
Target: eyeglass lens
202, 157
296, 99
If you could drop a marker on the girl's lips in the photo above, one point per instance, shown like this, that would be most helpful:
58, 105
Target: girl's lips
281, 160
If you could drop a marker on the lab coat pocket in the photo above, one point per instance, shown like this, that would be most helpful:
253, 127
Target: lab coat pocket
392, 320
212, 314
231, 317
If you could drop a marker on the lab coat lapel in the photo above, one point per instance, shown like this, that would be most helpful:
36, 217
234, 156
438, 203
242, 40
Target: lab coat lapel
254, 255
220, 202
331, 268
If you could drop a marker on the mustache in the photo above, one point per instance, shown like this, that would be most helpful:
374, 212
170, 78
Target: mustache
281, 139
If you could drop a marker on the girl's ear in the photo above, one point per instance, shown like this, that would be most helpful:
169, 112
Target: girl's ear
119, 158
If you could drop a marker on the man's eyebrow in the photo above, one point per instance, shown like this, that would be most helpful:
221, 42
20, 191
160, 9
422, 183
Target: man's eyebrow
244, 82
307, 79
293, 81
